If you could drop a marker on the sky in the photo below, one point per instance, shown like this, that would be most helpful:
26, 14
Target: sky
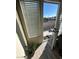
49, 10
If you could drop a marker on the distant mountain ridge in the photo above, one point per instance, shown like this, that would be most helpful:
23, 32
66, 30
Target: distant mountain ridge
46, 19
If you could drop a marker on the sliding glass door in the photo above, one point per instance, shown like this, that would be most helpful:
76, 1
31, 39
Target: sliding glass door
31, 10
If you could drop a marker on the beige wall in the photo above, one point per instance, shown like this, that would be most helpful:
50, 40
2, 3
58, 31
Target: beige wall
19, 49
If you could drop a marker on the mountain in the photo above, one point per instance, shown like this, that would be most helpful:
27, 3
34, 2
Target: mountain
46, 19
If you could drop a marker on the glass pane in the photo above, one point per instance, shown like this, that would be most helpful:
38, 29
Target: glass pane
49, 16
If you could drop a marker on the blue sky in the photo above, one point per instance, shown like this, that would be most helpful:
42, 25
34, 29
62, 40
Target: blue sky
49, 9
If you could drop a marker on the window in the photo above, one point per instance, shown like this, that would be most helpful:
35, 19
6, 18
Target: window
32, 17
49, 17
